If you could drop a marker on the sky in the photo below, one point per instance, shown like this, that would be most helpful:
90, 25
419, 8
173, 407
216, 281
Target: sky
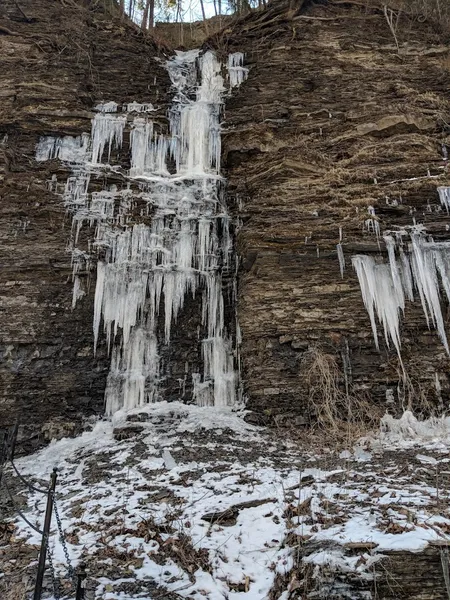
191, 11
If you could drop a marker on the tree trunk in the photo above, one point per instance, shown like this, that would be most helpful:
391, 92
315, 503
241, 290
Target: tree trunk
151, 15
204, 17
145, 15
178, 16
203, 10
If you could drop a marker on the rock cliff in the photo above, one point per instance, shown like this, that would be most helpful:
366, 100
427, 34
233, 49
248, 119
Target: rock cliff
336, 124
339, 135
58, 60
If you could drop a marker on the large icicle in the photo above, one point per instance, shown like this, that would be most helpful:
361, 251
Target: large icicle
341, 258
444, 197
380, 296
384, 287
426, 280
107, 130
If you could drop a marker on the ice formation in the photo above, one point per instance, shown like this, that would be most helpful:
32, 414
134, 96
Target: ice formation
180, 246
372, 224
107, 130
237, 73
408, 428
68, 149
138, 107
444, 197
417, 266
341, 258
107, 107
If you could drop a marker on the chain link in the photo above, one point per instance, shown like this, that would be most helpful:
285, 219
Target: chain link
70, 569
52, 572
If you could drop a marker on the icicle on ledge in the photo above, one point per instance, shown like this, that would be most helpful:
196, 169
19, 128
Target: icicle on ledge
163, 235
417, 266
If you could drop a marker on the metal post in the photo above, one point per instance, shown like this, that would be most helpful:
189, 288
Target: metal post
13, 440
8, 446
4, 453
80, 582
46, 531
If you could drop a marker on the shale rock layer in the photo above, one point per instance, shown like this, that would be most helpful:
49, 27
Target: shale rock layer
337, 116
333, 119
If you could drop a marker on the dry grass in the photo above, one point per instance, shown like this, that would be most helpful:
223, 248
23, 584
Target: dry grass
337, 409
422, 399
436, 12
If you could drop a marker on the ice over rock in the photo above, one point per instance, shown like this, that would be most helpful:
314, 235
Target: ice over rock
182, 246
415, 266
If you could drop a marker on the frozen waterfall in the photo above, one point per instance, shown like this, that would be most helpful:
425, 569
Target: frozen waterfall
162, 231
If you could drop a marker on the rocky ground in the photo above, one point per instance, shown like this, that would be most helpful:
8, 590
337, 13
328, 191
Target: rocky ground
181, 502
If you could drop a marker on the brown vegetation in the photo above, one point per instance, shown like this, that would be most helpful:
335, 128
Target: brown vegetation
435, 11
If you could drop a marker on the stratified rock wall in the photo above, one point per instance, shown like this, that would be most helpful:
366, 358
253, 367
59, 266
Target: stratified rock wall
333, 119
57, 61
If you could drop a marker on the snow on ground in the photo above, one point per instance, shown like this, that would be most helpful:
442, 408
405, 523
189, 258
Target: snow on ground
408, 431
186, 502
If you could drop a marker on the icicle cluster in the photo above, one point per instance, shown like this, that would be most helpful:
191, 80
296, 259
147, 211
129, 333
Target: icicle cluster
68, 149
372, 224
147, 269
385, 287
237, 73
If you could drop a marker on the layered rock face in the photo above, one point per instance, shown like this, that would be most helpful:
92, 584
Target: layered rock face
58, 60
338, 136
